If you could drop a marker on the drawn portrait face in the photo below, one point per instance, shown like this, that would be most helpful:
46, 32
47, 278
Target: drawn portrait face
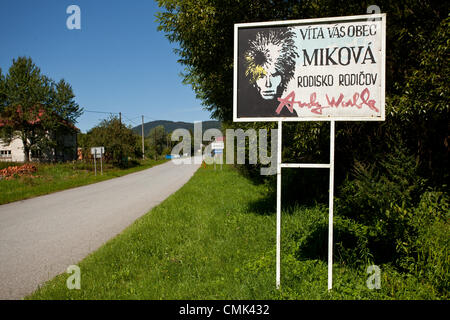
270, 62
270, 79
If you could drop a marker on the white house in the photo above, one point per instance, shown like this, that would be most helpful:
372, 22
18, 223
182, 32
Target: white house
14, 151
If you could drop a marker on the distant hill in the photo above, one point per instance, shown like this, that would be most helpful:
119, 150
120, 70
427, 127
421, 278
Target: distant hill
170, 126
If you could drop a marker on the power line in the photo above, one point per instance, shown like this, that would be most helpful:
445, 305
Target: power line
133, 119
91, 111
130, 120
113, 112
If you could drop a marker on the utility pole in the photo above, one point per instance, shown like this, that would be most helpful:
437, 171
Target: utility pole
143, 154
120, 119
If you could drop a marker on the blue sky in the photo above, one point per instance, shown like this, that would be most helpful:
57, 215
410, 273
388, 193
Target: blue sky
117, 62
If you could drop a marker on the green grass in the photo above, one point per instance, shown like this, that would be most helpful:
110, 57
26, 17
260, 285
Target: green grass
215, 239
56, 177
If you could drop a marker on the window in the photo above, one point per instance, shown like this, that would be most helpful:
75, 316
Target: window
5, 153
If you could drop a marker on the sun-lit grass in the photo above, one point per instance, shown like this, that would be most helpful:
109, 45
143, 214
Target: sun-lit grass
215, 239
60, 176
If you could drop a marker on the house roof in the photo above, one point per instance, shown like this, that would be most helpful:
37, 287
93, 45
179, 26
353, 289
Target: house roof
38, 118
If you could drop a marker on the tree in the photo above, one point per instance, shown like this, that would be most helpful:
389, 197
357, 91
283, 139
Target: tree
157, 140
2, 91
65, 111
204, 33
416, 73
63, 101
26, 100
119, 140
34, 108
422, 108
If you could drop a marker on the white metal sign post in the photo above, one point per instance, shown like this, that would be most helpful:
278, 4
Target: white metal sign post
98, 152
330, 200
328, 69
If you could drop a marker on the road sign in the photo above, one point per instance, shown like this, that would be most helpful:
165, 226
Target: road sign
98, 151
310, 70
328, 69
218, 145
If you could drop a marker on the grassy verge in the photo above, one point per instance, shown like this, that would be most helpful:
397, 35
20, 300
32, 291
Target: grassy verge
215, 239
56, 177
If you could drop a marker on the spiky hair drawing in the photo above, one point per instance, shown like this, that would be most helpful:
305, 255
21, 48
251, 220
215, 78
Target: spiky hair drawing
267, 47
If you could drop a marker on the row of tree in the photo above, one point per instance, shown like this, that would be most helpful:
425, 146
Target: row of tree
122, 144
41, 112
417, 72
36, 109
158, 142
119, 141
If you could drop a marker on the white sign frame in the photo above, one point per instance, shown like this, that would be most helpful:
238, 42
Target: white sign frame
318, 21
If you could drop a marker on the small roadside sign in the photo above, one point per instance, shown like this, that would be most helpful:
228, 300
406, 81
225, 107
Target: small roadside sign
218, 145
98, 151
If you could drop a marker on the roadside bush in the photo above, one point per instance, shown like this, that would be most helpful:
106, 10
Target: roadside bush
399, 221
378, 195
370, 191
423, 250
431, 247
350, 242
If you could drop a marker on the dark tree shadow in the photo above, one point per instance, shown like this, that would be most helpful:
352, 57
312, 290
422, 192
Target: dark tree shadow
265, 206
347, 246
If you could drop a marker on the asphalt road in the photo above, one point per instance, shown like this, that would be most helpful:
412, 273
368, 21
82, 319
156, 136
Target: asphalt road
41, 237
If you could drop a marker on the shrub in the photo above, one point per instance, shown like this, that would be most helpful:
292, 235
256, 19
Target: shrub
399, 221
431, 247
